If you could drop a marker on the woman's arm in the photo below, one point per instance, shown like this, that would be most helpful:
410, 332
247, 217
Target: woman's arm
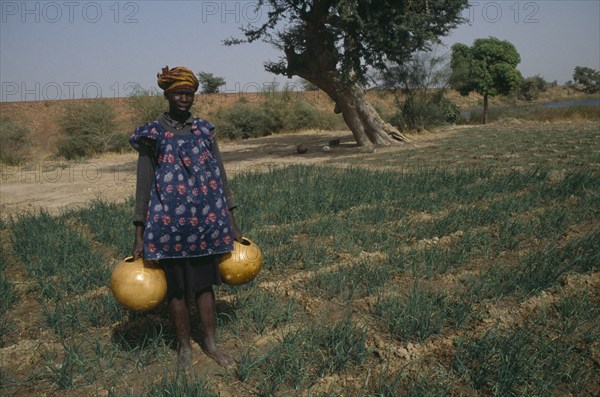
145, 173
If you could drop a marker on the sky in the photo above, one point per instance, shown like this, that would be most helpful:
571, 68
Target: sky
72, 49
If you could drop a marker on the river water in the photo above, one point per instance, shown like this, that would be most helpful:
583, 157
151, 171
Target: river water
578, 102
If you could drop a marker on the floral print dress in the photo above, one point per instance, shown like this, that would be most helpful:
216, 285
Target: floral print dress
187, 214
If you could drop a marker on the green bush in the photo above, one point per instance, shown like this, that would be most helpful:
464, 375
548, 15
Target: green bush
14, 140
147, 105
421, 113
244, 121
280, 113
531, 87
588, 78
89, 128
305, 115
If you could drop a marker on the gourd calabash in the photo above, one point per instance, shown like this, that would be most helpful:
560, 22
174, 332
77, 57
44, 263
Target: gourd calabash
139, 285
242, 264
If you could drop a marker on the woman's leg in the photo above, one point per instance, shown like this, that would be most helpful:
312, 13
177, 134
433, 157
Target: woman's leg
180, 316
205, 300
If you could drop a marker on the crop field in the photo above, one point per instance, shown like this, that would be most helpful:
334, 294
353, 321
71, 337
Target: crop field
466, 267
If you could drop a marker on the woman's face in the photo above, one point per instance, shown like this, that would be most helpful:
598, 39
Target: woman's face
180, 101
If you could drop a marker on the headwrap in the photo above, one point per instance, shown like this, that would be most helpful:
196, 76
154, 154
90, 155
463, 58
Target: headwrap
177, 78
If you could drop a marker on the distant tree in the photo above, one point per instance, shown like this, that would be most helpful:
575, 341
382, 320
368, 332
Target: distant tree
419, 86
333, 43
588, 78
531, 87
489, 67
210, 83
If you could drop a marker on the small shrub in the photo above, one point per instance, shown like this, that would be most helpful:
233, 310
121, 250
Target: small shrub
89, 128
531, 88
244, 121
305, 115
14, 140
147, 105
423, 112
278, 112
385, 112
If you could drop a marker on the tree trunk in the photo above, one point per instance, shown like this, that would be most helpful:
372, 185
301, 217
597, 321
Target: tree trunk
367, 126
485, 108
317, 64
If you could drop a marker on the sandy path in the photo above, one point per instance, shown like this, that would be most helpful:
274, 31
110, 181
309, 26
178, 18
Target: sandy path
54, 186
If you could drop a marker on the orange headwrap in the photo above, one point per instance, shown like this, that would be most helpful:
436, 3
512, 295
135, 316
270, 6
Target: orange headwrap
177, 78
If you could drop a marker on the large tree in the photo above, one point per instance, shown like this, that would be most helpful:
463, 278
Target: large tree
333, 43
489, 67
588, 78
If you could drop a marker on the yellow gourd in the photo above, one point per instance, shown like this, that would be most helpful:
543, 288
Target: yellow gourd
242, 264
139, 285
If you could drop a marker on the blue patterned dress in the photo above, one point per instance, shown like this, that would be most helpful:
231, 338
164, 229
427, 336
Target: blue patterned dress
187, 214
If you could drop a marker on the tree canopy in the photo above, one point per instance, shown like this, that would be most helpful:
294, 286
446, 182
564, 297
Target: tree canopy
333, 43
210, 83
588, 78
489, 68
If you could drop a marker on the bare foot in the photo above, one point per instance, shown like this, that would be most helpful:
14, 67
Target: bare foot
220, 356
184, 360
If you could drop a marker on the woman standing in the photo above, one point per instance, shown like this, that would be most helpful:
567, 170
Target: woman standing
183, 215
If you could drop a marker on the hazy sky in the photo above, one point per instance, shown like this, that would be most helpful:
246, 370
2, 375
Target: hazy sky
72, 49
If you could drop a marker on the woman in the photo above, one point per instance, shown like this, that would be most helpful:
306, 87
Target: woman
183, 216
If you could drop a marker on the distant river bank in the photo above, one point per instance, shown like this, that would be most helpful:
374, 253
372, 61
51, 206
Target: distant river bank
547, 105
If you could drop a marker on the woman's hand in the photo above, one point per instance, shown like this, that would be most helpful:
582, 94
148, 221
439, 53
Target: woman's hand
138, 243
